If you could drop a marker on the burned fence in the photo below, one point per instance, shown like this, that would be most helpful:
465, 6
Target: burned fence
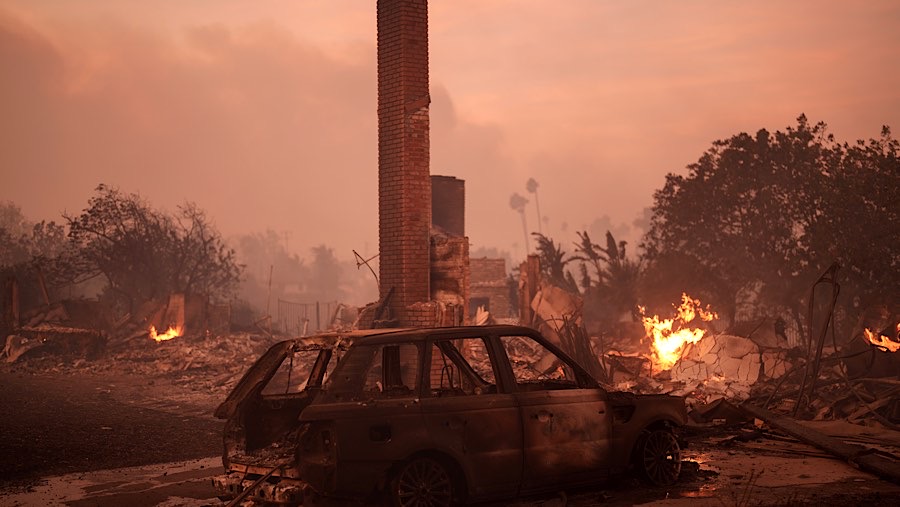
304, 318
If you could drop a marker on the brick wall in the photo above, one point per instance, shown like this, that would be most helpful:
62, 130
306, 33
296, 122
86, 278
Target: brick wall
450, 273
488, 281
448, 204
404, 185
485, 269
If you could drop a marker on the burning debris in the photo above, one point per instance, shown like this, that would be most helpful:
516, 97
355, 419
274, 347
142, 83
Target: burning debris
685, 354
172, 332
671, 336
724, 364
882, 340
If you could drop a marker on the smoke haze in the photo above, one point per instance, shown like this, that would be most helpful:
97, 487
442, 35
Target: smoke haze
264, 113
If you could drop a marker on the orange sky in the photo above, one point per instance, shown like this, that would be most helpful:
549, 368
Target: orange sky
263, 112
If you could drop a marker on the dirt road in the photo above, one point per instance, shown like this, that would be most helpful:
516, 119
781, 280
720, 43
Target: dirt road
58, 423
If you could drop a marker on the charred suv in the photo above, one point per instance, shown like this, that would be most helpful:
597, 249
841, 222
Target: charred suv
435, 417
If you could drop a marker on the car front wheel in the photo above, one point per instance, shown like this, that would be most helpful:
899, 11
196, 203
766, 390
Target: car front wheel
423, 482
659, 457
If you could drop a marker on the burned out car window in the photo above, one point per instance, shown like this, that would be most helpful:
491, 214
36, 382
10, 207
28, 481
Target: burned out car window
536, 367
375, 371
293, 375
452, 372
475, 353
392, 371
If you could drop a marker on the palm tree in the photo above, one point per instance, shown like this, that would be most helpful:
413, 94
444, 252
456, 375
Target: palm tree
617, 276
517, 203
553, 263
532, 185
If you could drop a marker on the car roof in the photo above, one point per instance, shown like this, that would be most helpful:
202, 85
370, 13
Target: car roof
411, 334
422, 333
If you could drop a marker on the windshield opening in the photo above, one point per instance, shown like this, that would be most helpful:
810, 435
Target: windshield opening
300, 370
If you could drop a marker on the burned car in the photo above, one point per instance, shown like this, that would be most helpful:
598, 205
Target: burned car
435, 416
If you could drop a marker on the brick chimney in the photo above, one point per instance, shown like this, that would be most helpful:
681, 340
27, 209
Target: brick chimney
404, 185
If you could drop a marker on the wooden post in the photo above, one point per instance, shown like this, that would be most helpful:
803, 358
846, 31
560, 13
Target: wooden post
43, 283
884, 465
11, 303
530, 281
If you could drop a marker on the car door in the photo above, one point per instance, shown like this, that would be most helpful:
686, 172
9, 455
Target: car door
566, 430
470, 417
372, 403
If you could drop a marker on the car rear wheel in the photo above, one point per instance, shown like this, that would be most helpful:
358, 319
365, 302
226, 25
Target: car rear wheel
659, 457
423, 482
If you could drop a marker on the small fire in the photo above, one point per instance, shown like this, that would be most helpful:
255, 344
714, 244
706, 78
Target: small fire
881, 341
172, 332
671, 335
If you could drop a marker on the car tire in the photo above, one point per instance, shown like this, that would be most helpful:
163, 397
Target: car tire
423, 481
658, 457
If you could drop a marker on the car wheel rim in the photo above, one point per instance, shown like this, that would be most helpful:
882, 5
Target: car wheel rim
424, 483
662, 458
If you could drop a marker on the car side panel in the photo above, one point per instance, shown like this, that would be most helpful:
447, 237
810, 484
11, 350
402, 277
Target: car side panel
566, 437
483, 433
370, 437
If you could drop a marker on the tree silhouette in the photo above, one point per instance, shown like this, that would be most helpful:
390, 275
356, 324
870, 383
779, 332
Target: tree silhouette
532, 185
517, 203
143, 253
768, 213
553, 263
616, 278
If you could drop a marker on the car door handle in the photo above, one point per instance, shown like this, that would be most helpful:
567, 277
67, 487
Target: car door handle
543, 416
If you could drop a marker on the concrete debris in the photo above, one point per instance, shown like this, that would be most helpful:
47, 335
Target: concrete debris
729, 364
775, 363
552, 303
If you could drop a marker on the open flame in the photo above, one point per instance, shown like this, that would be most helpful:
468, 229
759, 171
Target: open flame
881, 341
671, 335
172, 332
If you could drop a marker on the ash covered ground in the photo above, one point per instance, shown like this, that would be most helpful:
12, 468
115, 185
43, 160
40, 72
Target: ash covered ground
145, 403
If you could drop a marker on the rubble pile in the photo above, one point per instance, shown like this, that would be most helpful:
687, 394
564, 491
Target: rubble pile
78, 335
66, 328
212, 363
207, 362
734, 368
837, 394
858, 381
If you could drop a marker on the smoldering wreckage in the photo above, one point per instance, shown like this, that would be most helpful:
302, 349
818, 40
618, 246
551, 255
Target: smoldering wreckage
466, 413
